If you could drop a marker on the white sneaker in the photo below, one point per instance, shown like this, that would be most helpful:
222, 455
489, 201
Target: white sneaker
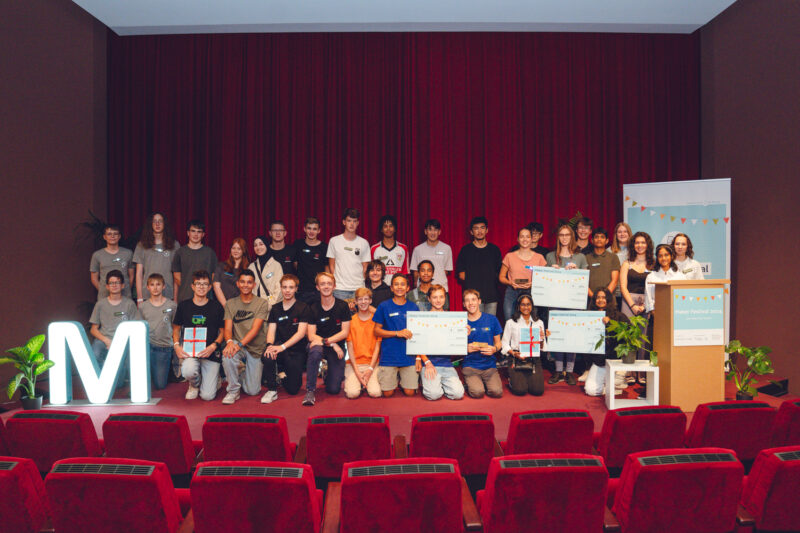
192, 392
584, 376
230, 398
269, 397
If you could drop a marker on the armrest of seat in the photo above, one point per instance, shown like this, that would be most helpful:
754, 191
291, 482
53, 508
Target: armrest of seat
469, 511
302, 452
610, 522
187, 526
198, 452
333, 508
400, 447
744, 518
498, 450
595, 439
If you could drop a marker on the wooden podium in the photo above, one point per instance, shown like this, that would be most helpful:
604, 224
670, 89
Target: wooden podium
690, 375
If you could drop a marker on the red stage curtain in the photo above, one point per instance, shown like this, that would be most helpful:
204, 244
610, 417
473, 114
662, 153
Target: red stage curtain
240, 129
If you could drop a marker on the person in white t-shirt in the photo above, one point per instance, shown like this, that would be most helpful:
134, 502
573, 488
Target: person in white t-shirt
393, 254
348, 256
435, 251
684, 257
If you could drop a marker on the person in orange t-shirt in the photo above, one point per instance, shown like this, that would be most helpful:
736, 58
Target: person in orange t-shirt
363, 348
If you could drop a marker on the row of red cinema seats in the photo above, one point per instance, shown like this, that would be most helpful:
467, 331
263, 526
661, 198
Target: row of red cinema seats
684, 490
47, 436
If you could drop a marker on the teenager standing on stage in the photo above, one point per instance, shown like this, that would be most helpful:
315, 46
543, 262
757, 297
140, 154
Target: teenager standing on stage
311, 254
268, 273
684, 257
112, 257
227, 273
153, 255
619, 245
435, 251
348, 255
191, 258
478, 265
515, 272
278, 249
393, 254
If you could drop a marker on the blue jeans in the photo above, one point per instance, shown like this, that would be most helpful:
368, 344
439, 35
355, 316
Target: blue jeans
101, 352
335, 376
160, 365
445, 383
510, 300
344, 295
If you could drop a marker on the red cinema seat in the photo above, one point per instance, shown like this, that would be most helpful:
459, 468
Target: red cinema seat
425, 495
550, 431
636, 429
255, 496
334, 440
105, 495
23, 503
465, 437
49, 435
682, 490
786, 430
3, 439
540, 492
744, 427
770, 491
151, 437
246, 438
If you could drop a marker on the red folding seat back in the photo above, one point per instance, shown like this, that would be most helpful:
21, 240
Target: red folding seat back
422, 494
246, 438
691, 490
104, 495
786, 431
23, 503
550, 431
635, 429
151, 437
335, 440
770, 491
255, 496
49, 435
3, 439
538, 492
744, 427
465, 437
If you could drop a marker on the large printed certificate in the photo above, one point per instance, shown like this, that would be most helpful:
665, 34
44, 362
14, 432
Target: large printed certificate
576, 331
559, 287
434, 333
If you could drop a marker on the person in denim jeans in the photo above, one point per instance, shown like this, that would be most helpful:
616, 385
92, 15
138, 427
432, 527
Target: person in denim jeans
159, 311
439, 378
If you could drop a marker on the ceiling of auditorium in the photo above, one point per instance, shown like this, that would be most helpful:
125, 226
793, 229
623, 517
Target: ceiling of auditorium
143, 17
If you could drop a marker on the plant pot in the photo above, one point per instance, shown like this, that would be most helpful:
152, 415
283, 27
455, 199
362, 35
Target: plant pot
743, 396
629, 358
31, 403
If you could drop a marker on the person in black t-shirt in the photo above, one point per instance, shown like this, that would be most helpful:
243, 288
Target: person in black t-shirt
311, 259
278, 249
327, 332
478, 265
286, 340
197, 335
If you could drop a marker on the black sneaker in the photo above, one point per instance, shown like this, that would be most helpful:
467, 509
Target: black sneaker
570, 378
555, 378
309, 399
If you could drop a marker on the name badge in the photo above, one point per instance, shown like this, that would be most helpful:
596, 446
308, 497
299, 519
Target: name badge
394, 314
284, 317
119, 313
595, 264
165, 311
348, 248
690, 269
306, 250
324, 319
229, 273
270, 274
528, 267
439, 253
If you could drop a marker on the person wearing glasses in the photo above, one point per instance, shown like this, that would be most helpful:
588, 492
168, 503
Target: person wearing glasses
283, 253
112, 257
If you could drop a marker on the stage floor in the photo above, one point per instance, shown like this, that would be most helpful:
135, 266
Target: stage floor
399, 408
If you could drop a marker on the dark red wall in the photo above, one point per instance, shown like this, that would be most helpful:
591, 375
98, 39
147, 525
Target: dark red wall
750, 72
52, 161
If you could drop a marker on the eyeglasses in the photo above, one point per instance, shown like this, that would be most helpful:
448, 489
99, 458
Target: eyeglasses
114, 283
112, 234
201, 284
565, 235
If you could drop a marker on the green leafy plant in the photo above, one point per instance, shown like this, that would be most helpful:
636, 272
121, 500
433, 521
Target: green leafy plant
629, 336
30, 362
756, 362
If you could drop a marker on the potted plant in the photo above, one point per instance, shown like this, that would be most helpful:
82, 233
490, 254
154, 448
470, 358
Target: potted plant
629, 337
31, 363
755, 362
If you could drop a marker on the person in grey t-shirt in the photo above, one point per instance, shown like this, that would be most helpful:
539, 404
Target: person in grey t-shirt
112, 257
159, 312
153, 255
192, 257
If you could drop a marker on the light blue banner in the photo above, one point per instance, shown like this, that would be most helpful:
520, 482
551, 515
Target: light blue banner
698, 317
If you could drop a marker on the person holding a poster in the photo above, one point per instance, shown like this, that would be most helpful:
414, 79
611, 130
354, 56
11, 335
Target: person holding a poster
684, 257
667, 270
521, 341
603, 300
390, 325
480, 366
515, 271
439, 378
565, 256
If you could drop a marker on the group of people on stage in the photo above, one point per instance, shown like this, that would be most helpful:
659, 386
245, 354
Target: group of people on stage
267, 318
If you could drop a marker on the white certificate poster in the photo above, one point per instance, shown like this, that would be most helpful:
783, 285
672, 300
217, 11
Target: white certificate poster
576, 331
437, 333
559, 287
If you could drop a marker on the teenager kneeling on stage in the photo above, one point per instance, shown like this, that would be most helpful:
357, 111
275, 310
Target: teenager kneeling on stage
480, 365
439, 378
363, 347
525, 374
390, 325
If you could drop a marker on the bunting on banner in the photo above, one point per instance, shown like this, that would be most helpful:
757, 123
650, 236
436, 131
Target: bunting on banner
673, 218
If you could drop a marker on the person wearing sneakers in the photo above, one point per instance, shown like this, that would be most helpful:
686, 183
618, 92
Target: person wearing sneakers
287, 327
159, 311
197, 336
245, 339
597, 381
364, 349
328, 328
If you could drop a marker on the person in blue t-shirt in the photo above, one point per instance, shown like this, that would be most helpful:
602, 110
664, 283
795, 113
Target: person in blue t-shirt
439, 377
390, 325
480, 366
